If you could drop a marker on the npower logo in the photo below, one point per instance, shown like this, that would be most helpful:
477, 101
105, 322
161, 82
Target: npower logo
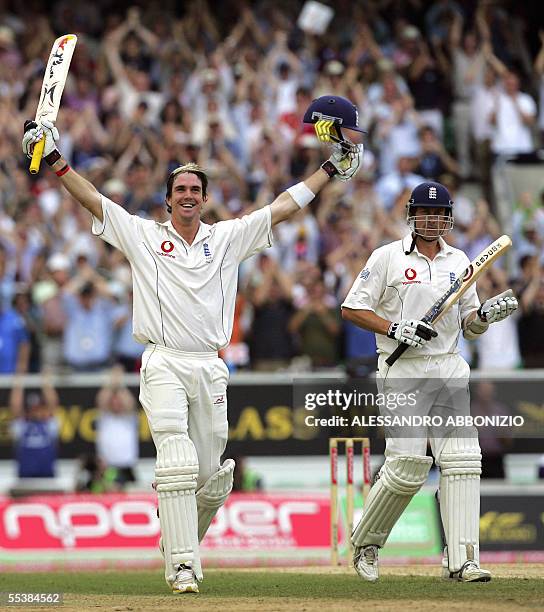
259, 517
113, 521
73, 521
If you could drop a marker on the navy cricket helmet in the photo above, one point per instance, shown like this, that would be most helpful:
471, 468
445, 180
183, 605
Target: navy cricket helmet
429, 226
431, 194
334, 108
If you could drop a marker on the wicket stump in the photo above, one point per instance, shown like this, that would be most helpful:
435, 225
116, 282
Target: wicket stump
349, 444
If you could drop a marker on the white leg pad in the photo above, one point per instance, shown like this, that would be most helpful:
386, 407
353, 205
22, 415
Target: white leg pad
399, 480
460, 469
212, 495
176, 472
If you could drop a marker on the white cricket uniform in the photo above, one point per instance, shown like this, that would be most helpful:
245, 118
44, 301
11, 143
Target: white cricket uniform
184, 297
398, 286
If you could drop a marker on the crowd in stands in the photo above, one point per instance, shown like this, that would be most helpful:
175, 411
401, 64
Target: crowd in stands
443, 88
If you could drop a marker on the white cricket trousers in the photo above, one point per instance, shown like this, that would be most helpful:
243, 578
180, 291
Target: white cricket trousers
439, 384
186, 393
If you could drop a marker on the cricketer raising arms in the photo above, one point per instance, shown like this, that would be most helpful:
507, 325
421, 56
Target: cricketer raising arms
398, 284
185, 279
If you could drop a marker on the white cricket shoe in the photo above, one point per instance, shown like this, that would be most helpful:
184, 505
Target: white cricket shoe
365, 562
470, 572
185, 581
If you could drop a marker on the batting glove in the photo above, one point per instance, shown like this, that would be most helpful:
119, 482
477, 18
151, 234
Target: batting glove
411, 332
495, 309
34, 132
346, 158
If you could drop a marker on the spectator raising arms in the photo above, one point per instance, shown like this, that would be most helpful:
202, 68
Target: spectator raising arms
35, 429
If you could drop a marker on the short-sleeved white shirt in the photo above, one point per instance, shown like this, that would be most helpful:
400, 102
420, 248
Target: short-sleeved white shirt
398, 286
510, 135
184, 295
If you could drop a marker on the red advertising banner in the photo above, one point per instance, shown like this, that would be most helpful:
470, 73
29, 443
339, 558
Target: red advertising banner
122, 530
116, 521
257, 521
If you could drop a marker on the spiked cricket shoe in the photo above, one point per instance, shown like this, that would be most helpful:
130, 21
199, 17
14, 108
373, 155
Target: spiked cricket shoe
185, 581
365, 561
470, 572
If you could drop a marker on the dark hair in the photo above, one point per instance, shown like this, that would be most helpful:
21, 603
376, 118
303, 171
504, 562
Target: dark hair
186, 169
87, 289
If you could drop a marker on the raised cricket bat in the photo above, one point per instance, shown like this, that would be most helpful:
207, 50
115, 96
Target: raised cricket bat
477, 267
54, 80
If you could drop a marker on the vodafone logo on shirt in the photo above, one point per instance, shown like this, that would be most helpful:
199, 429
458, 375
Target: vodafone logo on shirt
410, 275
166, 249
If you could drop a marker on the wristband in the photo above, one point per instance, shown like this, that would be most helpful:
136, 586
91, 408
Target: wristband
52, 157
392, 330
329, 168
63, 170
301, 194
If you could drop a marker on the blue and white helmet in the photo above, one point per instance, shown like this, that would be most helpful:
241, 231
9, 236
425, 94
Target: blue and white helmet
334, 108
430, 195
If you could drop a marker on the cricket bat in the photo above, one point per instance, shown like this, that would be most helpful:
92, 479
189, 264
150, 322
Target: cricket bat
54, 80
460, 285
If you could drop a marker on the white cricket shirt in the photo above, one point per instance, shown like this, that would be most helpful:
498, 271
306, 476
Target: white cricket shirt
397, 286
184, 295
510, 135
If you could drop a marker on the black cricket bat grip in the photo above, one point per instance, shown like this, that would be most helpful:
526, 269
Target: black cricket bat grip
396, 354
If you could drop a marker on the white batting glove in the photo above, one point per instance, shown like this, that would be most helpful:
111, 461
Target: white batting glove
51, 136
346, 158
33, 134
411, 332
494, 309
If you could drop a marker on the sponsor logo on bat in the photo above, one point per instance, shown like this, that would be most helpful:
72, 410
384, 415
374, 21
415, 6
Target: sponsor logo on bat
64, 41
492, 250
47, 103
56, 62
58, 56
468, 273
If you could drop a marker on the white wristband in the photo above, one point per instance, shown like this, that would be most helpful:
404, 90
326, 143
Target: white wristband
301, 194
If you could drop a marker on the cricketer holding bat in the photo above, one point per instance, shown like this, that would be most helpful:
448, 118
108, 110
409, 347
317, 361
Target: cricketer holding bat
185, 275
399, 283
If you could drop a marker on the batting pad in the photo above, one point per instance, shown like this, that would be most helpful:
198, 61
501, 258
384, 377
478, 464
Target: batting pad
212, 495
460, 469
176, 472
399, 480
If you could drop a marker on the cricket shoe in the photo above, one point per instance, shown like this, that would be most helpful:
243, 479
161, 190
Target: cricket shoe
365, 562
185, 580
470, 572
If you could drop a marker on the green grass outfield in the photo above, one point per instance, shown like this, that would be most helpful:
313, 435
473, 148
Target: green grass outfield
274, 590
